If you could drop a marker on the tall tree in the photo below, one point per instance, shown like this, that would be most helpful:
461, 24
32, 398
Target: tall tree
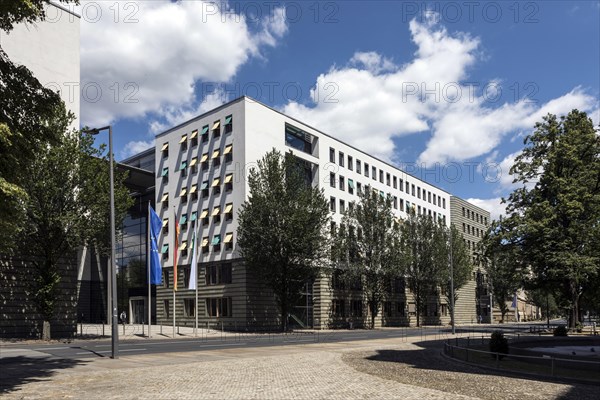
368, 246
500, 260
424, 257
282, 230
557, 208
67, 207
461, 266
31, 119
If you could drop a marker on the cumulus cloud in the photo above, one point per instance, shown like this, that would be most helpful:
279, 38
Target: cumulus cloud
493, 205
371, 101
152, 55
136, 147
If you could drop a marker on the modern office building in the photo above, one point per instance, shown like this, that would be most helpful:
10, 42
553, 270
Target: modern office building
201, 171
473, 298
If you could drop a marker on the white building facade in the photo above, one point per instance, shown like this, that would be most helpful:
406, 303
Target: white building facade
201, 171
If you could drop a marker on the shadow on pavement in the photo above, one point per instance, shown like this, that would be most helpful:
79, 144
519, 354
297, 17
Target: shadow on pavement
21, 370
436, 368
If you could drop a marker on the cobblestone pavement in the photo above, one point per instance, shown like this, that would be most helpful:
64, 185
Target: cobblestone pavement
315, 371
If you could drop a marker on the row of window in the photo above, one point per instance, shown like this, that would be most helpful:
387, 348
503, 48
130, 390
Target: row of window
215, 307
213, 275
472, 215
204, 161
203, 191
404, 206
427, 195
472, 230
192, 138
384, 177
204, 217
217, 242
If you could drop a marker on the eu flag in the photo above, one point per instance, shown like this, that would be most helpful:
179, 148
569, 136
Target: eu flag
155, 267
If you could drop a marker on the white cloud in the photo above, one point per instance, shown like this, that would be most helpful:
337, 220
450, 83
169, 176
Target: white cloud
371, 101
156, 61
493, 205
136, 147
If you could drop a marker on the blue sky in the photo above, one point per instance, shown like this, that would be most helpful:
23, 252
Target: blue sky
446, 89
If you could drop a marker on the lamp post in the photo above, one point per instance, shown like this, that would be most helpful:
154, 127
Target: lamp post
113, 270
452, 286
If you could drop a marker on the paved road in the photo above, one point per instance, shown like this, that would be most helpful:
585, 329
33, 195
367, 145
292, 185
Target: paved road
81, 349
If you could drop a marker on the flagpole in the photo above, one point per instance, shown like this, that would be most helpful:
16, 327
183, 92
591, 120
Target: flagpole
148, 258
196, 277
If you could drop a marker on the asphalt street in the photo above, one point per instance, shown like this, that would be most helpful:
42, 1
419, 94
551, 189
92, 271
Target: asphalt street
102, 348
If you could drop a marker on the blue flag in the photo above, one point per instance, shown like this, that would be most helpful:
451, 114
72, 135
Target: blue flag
155, 228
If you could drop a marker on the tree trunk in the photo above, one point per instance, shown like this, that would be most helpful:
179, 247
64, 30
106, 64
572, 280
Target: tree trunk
46, 334
575, 306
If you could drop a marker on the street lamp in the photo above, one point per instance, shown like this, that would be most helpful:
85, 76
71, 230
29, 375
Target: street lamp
113, 270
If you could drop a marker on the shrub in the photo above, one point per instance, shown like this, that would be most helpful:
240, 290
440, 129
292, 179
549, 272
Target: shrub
579, 327
560, 330
498, 344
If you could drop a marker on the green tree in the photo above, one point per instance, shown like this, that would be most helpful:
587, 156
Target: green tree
67, 207
424, 257
282, 230
368, 246
461, 266
500, 262
15, 11
31, 119
556, 211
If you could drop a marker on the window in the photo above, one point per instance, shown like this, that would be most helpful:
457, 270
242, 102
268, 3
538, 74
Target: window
356, 309
183, 168
215, 158
204, 189
165, 226
337, 308
194, 192
166, 276
342, 206
434, 200
332, 155
395, 201
401, 308
165, 252
444, 204
183, 143
418, 192
387, 179
228, 212
216, 214
194, 138
332, 227
215, 185
342, 184
183, 195
401, 204
204, 161
167, 308
298, 139
165, 174
341, 159
464, 226
228, 241
165, 150
387, 308
194, 165
205, 134
374, 173
358, 188
189, 307
228, 124
228, 182
395, 182
413, 189
463, 211
218, 307
183, 222
216, 242
358, 167
218, 274
429, 196
350, 163
401, 185
350, 186
228, 153
366, 170
216, 129
332, 179
381, 176
332, 204
205, 243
